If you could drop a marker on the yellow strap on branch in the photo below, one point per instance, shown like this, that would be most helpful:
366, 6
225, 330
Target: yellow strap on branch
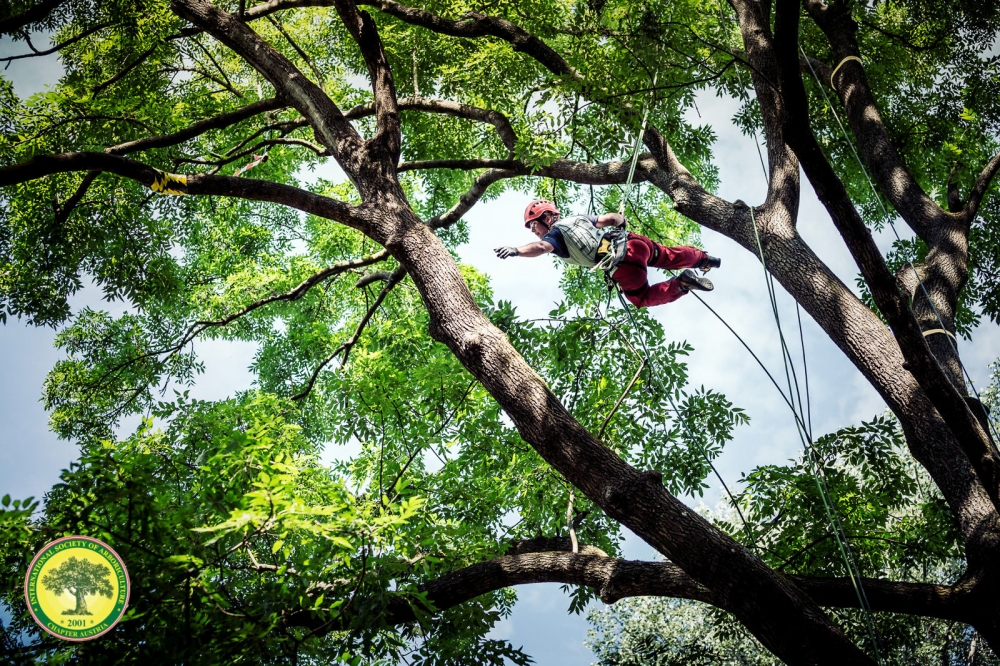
939, 330
169, 183
841, 64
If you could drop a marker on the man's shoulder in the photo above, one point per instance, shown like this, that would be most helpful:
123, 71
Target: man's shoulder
576, 219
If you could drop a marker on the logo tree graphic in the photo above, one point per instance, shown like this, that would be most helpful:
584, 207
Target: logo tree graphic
81, 578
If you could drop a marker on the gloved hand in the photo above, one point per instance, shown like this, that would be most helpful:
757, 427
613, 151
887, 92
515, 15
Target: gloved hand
506, 251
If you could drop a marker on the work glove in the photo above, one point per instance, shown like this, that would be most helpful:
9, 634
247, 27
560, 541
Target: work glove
506, 251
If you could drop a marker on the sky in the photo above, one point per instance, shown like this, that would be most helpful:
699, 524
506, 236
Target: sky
31, 457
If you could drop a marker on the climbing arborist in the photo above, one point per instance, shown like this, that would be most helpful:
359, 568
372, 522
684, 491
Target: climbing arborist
602, 242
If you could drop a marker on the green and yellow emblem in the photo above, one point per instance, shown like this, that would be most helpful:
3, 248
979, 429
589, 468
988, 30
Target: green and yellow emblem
77, 588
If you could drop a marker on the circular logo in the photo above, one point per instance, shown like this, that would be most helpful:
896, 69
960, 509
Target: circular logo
77, 588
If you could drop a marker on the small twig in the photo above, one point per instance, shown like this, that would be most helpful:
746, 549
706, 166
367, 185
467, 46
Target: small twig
320, 79
55, 48
346, 346
569, 522
128, 68
635, 377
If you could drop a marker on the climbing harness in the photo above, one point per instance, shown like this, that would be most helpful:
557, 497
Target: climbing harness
589, 246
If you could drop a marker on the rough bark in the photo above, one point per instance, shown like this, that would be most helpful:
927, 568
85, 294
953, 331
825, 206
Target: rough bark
706, 564
548, 561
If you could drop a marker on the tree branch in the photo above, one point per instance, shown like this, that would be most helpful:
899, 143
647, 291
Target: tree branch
125, 70
470, 198
292, 295
460, 164
609, 173
346, 347
57, 47
979, 189
615, 579
64, 210
243, 188
332, 128
480, 25
894, 179
363, 30
39, 12
832, 193
320, 79
468, 111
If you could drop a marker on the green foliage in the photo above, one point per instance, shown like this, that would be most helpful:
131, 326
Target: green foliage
668, 632
898, 528
364, 464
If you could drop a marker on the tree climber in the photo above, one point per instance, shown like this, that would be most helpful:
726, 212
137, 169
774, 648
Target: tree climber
602, 242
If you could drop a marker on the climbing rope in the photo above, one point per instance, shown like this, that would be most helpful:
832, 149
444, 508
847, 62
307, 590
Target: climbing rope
635, 147
804, 429
892, 225
645, 358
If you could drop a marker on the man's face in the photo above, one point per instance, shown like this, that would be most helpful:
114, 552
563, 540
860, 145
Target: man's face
540, 225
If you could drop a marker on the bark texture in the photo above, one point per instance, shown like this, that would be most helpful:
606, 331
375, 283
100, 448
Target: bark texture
918, 377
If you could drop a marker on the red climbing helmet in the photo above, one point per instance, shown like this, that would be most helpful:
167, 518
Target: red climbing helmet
536, 209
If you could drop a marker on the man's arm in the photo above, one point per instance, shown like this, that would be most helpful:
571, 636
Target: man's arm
610, 220
535, 249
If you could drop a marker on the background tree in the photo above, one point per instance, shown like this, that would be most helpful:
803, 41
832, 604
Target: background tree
82, 579
122, 173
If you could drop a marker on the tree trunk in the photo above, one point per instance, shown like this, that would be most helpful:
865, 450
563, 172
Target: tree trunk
81, 602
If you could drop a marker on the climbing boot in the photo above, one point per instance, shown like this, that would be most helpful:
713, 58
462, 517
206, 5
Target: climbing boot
689, 280
708, 263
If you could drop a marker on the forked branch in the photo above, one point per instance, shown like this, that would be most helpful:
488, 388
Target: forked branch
345, 347
979, 189
832, 193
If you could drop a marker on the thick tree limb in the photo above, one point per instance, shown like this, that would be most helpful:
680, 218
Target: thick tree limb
331, 127
364, 32
894, 179
39, 12
832, 193
220, 121
615, 579
243, 188
979, 189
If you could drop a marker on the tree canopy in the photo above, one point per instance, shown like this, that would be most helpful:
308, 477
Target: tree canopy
81, 578
171, 166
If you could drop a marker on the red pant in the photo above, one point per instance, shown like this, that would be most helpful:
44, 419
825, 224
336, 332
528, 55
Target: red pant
631, 272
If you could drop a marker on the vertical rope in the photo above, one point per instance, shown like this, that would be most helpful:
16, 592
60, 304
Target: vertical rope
892, 225
805, 433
